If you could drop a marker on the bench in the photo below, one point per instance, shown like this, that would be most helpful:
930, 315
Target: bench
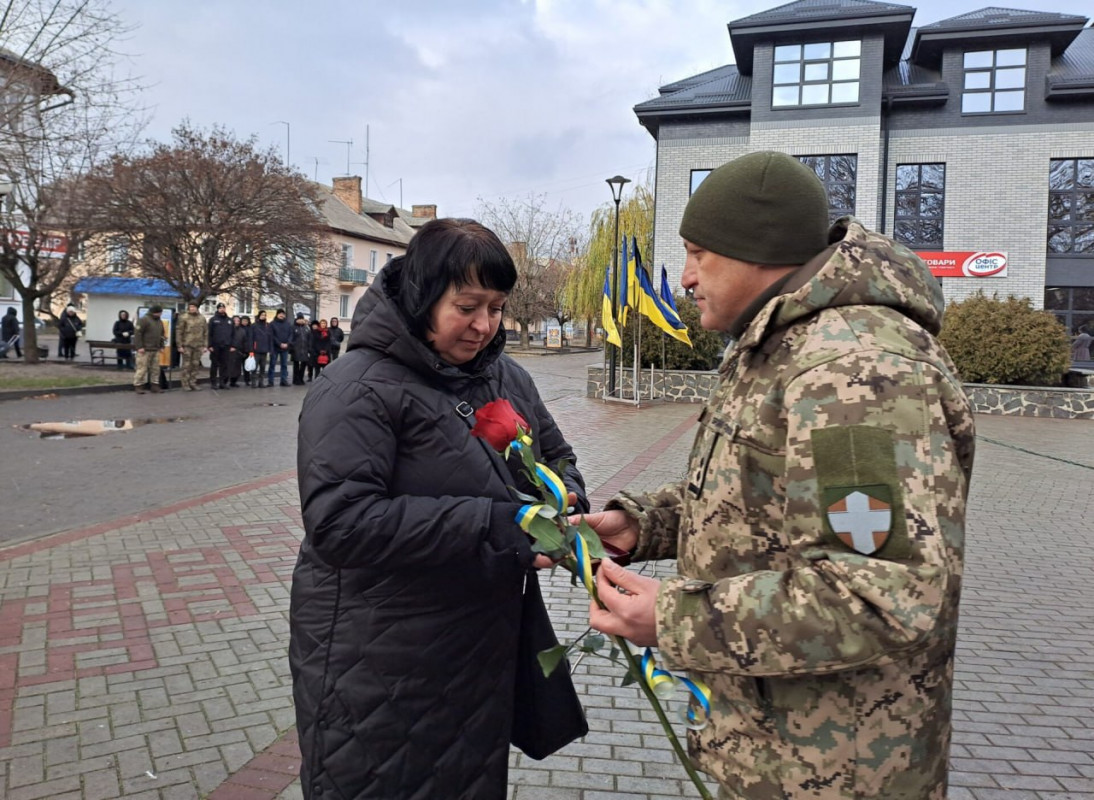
99, 347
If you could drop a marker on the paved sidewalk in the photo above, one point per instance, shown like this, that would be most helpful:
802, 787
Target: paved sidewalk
145, 657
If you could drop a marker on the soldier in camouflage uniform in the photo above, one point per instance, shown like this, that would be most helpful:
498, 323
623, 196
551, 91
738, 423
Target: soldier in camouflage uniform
191, 334
819, 531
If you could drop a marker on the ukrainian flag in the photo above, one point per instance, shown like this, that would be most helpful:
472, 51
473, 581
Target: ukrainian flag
607, 319
626, 280
656, 310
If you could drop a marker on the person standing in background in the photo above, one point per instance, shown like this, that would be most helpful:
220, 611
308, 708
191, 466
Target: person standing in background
220, 346
301, 349
281, 331
69, 330
336, 337
123, 334
148, 341
191, 337
261, 344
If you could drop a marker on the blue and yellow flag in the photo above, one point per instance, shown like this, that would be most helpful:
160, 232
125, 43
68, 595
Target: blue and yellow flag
655, 309
607, 319
666, 292
626, 278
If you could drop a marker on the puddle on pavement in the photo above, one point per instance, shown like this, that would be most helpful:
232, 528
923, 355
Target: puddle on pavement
82, 428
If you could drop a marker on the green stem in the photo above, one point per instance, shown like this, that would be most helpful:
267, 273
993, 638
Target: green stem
635, 667
685, 762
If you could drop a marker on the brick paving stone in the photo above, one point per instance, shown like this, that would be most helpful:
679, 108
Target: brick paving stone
156, 643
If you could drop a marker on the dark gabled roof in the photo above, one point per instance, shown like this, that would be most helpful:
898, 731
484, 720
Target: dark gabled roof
822, 18
1072, 74
994, 17
804, 11
995, 27
718, 90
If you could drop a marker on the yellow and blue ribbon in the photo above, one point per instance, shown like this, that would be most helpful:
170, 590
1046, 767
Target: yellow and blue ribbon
554, 485
661, 682
527, 514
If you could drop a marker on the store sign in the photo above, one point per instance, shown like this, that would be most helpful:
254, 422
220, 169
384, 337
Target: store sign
47, 246
966, 264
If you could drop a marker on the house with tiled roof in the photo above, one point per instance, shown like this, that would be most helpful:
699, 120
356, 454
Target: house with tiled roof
366, 234
970, 139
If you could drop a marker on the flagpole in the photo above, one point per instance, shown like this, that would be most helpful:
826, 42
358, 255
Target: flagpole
616, 185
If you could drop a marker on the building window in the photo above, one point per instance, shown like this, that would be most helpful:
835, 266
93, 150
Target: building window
818, 74
372, 254
995, 80
697, 177
343, 305
117, 255
209, 306
920, 203
244, 302
1071, 205
838, 174
1073, 306
347, 256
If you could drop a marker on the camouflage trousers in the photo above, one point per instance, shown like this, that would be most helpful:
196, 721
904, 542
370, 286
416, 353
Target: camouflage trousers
148, 367
189, 366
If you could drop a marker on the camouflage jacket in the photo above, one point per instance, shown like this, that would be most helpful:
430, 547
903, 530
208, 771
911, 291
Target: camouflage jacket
820, 537
191, 330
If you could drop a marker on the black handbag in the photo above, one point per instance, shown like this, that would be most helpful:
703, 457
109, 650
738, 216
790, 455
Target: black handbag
547, 714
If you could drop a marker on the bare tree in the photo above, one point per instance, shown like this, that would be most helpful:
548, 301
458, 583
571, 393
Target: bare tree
210, 214
64, 108
537, 238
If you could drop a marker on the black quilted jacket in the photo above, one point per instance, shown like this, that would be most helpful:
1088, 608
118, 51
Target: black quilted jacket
406, 597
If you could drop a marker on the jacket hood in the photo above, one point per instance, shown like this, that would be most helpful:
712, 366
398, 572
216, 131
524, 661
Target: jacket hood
859, 268
378, 324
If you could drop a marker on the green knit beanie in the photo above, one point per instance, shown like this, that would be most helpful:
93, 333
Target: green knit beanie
763, 208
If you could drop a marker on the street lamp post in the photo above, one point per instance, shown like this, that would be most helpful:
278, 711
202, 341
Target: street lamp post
616, 184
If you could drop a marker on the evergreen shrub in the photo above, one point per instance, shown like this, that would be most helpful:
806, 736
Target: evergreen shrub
1005, 342
706, 355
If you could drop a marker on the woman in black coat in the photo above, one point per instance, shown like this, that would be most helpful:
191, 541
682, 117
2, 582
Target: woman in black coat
408, 590
123, 334
300, 348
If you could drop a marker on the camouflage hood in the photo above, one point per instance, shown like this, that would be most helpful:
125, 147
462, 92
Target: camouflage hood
860, 268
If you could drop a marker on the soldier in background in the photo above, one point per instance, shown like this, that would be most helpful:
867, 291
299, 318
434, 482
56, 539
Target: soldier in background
148, 340
191, 334
820, 528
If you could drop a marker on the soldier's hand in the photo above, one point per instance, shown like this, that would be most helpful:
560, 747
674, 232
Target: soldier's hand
615, 528
631, 605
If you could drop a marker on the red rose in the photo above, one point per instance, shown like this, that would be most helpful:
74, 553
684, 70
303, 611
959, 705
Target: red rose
497, 422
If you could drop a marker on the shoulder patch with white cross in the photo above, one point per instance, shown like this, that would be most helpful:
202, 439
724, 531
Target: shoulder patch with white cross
861, 502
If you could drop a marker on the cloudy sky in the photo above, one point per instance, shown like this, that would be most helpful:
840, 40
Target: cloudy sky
459, 99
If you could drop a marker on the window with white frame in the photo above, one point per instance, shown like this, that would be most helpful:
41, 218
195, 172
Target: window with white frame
697, 177
347, 256
117, 254
995, 80
245, 302
817, 74
372, 255
343, 305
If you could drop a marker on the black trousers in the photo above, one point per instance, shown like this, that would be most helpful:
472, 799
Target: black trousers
68, 348
298, 372
218, 365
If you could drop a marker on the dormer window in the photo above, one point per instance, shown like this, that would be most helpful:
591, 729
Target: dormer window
995, 80
817, 74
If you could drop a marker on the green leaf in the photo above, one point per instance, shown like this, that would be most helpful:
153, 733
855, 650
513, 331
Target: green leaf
550, 659
614, 654
548, 538
529, 459
527, 498
592, 541
628, 679
548, 512
595, 640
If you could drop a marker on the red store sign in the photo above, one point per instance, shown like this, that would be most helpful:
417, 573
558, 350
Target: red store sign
966, 263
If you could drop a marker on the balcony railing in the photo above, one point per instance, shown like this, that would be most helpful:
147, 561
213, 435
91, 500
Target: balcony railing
359, 276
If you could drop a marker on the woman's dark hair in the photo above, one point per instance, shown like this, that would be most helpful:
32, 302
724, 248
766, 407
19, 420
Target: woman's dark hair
123, 311
443, 253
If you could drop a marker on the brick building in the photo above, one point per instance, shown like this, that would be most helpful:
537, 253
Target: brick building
969, 135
